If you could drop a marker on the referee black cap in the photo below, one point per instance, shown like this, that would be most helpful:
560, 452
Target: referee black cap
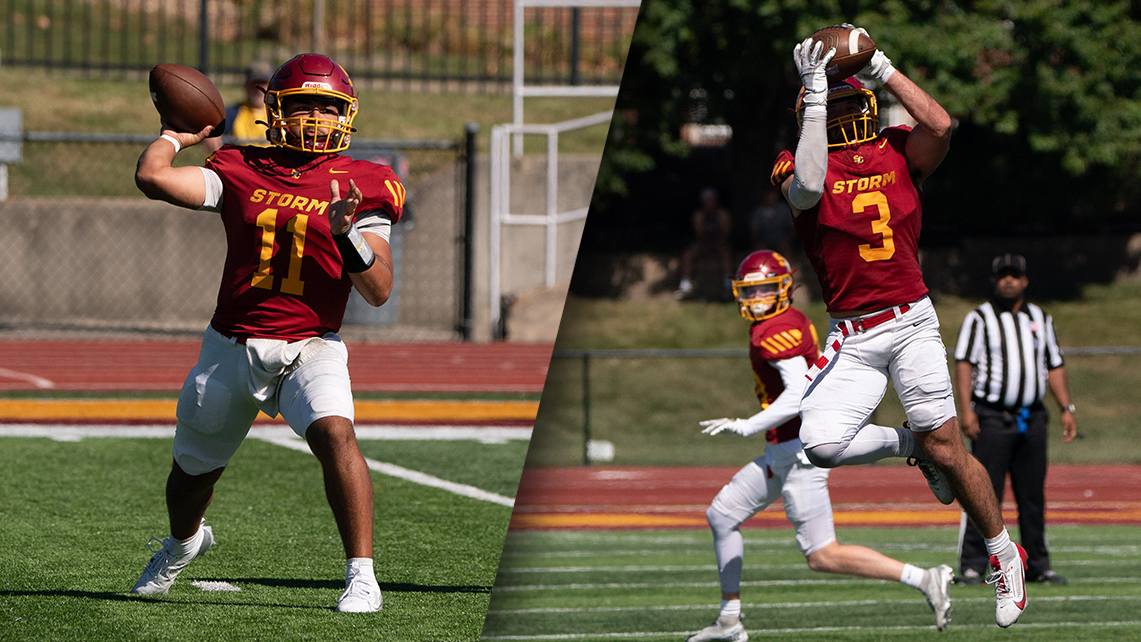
1008, 263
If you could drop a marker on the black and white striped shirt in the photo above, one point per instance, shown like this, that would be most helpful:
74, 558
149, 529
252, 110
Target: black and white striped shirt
1011, 354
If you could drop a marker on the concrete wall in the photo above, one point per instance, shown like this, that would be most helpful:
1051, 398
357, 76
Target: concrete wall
524, 247
143, 264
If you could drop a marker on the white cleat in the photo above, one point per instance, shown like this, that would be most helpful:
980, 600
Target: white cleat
937, 590
723, 629
362, 595
165, 566
1009, 587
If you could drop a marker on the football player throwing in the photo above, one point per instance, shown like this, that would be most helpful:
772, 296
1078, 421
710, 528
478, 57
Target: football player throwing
304, 225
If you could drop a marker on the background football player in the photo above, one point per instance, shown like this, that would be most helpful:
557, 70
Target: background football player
854, 194
295, 248
782, 346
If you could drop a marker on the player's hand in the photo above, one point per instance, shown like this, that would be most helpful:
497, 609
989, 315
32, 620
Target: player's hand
341, 211
879, 68
715, 426
185, 139
969, 423
811, 62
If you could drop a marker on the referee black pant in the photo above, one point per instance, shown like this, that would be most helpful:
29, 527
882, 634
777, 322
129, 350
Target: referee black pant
1002, 447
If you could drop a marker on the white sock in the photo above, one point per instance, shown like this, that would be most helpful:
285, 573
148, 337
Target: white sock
1000, 546
359, 567
913, 576
180, 547
730, 607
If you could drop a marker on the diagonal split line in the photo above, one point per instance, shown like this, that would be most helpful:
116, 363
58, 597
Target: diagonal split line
406, 474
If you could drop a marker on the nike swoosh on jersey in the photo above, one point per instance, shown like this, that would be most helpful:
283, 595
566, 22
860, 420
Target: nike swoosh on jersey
337, 171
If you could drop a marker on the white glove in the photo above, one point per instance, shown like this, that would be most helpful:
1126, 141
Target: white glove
879, 67
715, 426
812, 65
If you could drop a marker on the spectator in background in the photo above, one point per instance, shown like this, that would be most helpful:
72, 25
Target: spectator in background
242, 127
771, 224
1007, 356
711, 228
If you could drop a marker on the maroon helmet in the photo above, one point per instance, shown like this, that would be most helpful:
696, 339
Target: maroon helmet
850, 126
763, 285
311, 75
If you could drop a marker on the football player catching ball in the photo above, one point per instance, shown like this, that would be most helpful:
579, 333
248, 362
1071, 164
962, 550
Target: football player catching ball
854, 194
783, 345
304, 225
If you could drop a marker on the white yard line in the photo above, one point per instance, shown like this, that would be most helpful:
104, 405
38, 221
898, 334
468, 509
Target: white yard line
39, 382
760, 583
796, 605
820, 629
296, 443
73, 432
283, 436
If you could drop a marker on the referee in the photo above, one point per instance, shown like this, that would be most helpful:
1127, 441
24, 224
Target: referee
1007, 356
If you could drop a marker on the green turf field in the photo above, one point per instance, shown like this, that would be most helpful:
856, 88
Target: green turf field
75, 518
662, 585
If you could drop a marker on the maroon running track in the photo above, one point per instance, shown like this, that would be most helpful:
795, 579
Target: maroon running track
643, 497
145, 365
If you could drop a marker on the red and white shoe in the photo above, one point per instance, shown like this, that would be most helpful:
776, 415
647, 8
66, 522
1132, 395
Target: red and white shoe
1009, 587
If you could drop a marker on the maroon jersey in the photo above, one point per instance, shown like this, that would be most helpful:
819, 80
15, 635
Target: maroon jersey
863, 236
786, 336
283, 276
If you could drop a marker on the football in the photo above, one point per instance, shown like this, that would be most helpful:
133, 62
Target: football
854, 50
186, 99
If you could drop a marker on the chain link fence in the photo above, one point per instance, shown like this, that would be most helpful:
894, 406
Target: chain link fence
84, 251
642, 407
448, 45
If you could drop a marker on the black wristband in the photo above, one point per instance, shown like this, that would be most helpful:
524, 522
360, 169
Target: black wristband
356, 254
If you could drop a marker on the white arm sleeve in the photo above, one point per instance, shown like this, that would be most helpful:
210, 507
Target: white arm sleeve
378, 224
787, 404
811, 159
213, 190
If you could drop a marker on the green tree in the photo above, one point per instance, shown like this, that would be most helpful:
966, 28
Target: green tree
1046, 95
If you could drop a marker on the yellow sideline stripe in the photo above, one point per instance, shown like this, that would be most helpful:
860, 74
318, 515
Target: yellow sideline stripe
366, 410
944, 517
603, 520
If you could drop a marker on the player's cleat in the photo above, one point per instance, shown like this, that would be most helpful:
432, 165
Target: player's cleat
1009, 587
165, 565
362, 595
727, 628
940, 487
937, 590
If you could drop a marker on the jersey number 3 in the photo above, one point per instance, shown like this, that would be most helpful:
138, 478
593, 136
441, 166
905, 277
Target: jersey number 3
879, 226
263, 278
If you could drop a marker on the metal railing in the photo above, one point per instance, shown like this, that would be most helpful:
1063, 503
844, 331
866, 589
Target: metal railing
400, 44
